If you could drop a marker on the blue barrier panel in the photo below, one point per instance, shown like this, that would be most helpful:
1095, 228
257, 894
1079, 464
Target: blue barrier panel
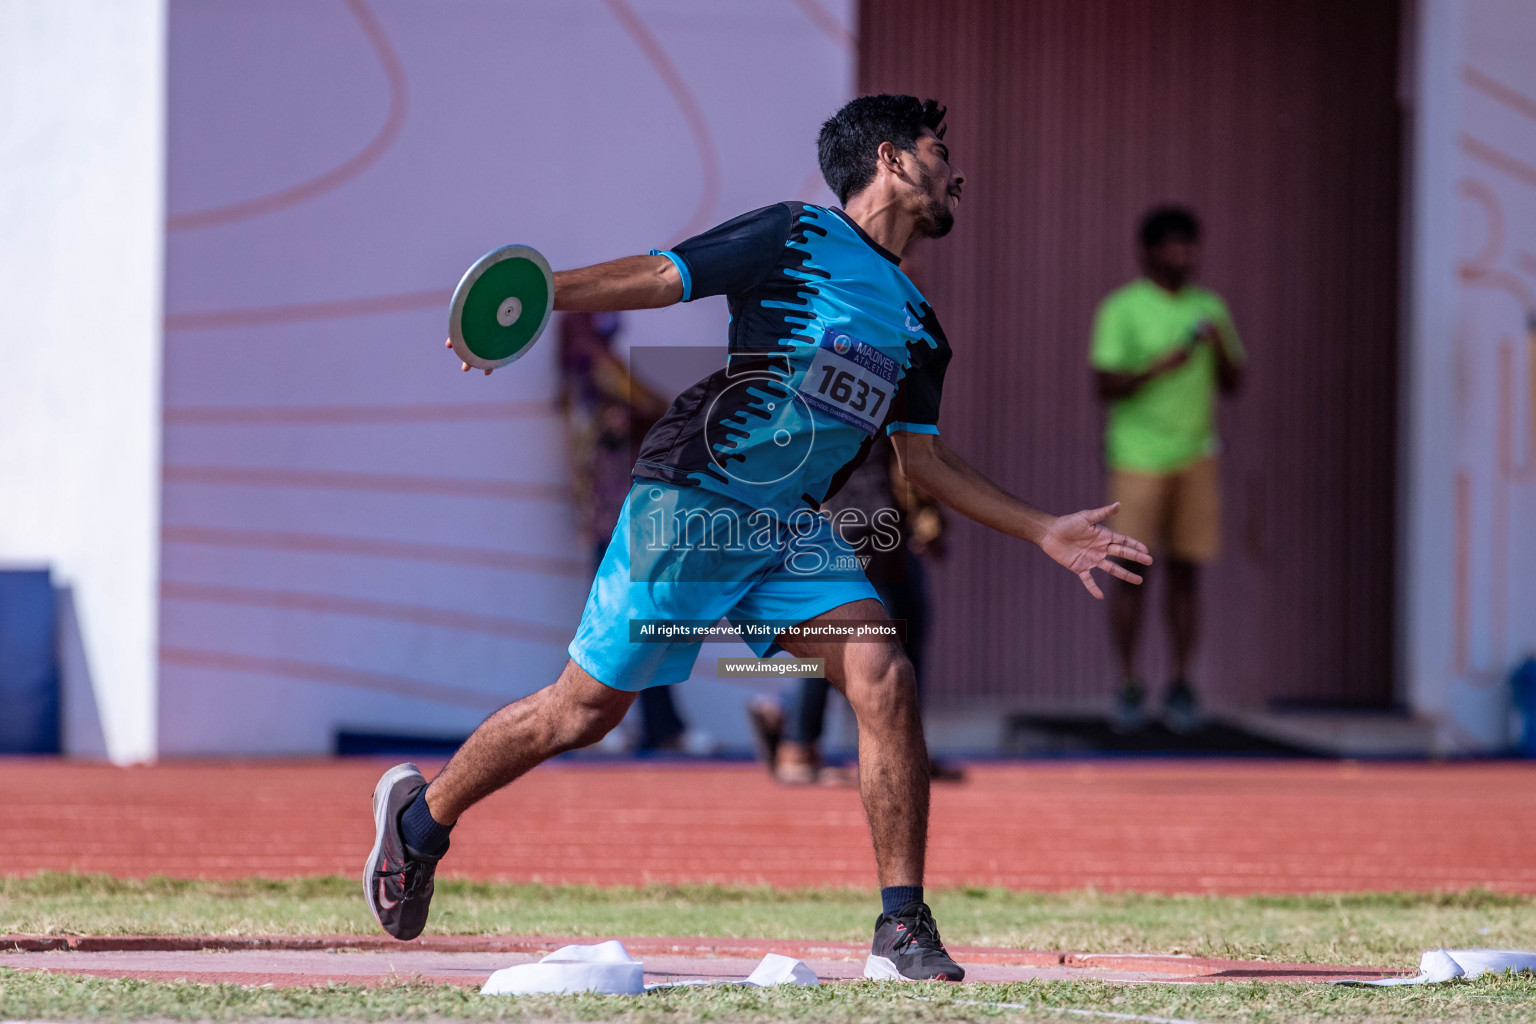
29, 664
1523, 679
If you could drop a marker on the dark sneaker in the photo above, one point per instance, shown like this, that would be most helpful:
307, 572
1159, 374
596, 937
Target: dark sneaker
1130, 714
397, 880
907, 948
944, 771
767, 729
1181, 709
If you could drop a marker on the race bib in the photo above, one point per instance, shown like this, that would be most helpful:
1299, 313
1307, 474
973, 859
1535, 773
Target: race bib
851, 380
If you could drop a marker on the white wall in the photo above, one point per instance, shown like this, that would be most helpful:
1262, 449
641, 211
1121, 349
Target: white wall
1469, 547
356, 534
81, 179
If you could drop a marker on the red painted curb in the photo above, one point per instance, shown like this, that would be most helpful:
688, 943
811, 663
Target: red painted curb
1173, 966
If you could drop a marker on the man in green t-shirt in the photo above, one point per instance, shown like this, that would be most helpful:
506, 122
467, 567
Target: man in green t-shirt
1162, 347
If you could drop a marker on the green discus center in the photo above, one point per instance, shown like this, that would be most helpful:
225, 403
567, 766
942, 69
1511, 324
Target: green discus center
494, 327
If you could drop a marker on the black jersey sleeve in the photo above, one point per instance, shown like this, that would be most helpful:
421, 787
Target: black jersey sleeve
916, 408
733, 257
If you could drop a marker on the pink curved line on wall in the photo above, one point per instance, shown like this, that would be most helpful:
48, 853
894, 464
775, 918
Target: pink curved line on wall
368, 547
1526, 261
1500, 281
1494, 244
390, 483
390, 611
829, 26
693, 114
1511, 467
1498, 575
1506, 440
335, 675
1495, 89
394, 121
1516, 168
327, 415
261, 316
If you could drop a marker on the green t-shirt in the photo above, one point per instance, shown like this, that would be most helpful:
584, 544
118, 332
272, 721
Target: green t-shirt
1170, 421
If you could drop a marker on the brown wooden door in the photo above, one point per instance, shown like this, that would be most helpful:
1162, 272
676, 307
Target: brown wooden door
1278, 121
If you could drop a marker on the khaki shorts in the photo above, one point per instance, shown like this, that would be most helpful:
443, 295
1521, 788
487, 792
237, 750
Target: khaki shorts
1179, 513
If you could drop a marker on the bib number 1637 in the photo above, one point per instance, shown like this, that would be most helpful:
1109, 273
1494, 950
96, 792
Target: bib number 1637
851, 380
857, 393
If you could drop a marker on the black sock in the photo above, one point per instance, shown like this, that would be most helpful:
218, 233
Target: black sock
894, 897
421, 831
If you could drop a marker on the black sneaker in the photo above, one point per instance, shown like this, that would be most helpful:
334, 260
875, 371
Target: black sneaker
907, 948
397, 880
1130, 713
1181, 708
767, 729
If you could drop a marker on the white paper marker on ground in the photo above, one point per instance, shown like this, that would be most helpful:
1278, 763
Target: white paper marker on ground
608, 969
774, 970
781, 970
1439, 965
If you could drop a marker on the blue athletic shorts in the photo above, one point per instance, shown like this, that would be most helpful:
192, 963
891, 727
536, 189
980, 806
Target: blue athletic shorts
686, 553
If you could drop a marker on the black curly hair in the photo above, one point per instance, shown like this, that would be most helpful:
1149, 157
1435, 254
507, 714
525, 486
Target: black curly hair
1164, 222
850, 137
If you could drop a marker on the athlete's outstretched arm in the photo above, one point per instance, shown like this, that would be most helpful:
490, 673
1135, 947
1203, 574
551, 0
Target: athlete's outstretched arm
1077, 541
629, 282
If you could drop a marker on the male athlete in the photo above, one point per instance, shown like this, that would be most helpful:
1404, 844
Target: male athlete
830, 345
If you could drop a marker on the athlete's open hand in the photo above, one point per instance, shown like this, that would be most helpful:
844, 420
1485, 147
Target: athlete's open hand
1081, 543
449, 344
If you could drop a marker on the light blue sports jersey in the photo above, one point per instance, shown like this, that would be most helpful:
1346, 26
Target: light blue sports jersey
830, 344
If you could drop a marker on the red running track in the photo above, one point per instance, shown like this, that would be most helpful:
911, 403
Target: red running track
1161, 826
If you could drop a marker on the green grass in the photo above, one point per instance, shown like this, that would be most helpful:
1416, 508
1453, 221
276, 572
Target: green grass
1369, 930
60, 997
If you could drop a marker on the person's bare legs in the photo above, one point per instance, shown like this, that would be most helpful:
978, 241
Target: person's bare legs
576, 711
880, 685
411, 818
1183, 610
1125, 603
